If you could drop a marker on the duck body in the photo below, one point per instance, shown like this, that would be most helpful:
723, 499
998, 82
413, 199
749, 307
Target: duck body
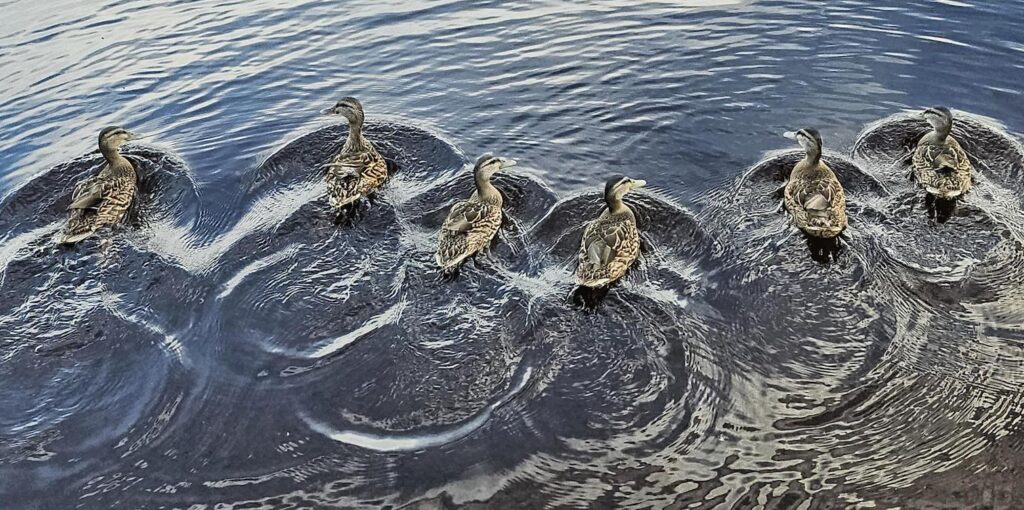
353, 174
358, 169
471, 224
103, 200
816, 200
610, 243
939, 164
814, 196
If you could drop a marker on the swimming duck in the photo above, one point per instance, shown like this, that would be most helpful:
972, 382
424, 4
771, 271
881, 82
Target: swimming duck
813, 196
103, 200
358, 169
472, 223
611, 243
940, 165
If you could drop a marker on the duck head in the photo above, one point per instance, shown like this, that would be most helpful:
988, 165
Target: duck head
940, 118
616, 187
489, 164
809, 139
113, 137
348, 107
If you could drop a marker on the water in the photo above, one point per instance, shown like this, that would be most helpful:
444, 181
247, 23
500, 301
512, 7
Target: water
234, 347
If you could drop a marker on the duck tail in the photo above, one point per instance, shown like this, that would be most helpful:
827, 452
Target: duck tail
78, 228
72, 237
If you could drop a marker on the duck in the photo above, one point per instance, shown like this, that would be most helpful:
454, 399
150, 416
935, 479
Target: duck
611, 243
358, 169
814, 196
472, 223
103, 200
939, 164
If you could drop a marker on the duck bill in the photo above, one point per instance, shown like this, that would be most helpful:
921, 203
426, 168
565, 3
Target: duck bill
508, 163
790, 134
329, 111
637, 183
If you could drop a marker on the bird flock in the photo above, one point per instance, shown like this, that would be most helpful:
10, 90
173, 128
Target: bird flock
813, 195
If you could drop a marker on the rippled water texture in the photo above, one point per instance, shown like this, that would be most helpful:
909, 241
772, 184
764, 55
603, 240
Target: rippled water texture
233, 346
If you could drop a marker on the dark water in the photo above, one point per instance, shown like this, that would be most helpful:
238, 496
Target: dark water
234, 348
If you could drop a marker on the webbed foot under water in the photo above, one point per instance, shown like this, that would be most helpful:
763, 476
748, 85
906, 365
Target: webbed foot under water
938, 208
825, 250
726, 368
590, 298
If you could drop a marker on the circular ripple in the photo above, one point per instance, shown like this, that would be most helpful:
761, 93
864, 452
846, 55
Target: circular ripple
166, 193
315, 300
964, 274
623, 390
91, 356
972, 227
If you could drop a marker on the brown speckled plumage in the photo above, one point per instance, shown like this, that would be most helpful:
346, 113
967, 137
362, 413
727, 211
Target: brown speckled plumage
352, 175
472, 223
358, 169
105, 199
814, 196
611, 243
940, 165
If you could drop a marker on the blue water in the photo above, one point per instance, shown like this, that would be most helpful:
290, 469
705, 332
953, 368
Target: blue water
234, 346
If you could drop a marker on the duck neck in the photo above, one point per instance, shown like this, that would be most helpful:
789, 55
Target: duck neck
485, 190
616, 205
939, 134
813, 156
355, 140
112, 153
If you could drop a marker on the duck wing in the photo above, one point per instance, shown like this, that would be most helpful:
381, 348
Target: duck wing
374, 170
469, 227
609, 246
932, 157
943, 169
602, 242
817, 205
343, 179
465, 216
88, 194
346, 164
98, 203
353, 174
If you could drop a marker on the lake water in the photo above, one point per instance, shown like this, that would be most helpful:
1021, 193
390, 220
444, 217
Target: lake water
233, 347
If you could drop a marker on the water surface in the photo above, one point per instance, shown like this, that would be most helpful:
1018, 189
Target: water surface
235, 347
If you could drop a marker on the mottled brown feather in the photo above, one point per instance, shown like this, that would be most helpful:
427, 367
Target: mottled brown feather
610, 245
816, 201
943, 170
354, 174
116, 184
468, 229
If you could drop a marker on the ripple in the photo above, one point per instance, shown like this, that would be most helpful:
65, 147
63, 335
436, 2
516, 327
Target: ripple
176, 365
92, 353
389, 443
